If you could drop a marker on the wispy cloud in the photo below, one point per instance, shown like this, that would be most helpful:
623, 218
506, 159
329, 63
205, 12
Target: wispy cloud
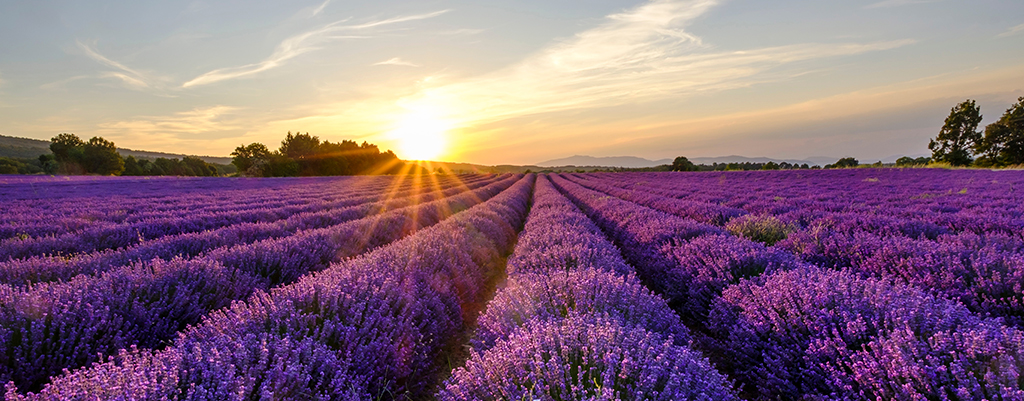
129, 77
642, 54
60, 84
194, 127
898, 3
1012, 31
320, 8
397, 61
300, 44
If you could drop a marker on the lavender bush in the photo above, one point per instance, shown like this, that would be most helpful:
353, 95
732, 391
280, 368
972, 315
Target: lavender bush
586, 359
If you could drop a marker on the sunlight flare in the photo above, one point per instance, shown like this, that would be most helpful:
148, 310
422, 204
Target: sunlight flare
420, 135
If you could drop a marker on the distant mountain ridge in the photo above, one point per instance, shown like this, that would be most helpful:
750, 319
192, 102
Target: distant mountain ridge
11, 146
637, 162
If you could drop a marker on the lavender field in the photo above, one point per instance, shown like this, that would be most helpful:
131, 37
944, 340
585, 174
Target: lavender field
849, 284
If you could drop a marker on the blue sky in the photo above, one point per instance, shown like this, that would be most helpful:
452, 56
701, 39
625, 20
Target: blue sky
497, 82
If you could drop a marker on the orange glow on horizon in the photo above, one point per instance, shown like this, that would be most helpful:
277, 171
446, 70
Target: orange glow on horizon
420, 135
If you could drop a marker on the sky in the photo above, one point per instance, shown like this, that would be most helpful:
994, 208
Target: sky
511, 82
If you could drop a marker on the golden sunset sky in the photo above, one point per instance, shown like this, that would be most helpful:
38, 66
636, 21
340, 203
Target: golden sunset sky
510, 82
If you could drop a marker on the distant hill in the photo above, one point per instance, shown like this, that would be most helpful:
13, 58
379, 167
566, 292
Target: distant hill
31, 148
637, 162
620, 161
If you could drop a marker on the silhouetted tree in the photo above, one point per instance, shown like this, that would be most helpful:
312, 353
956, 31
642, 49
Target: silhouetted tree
67, 150
300, 146
683, 164
1003, 143
846, 162
132, 167
959, 134
99, 156
67, 147
49, 164
197, 167
249, 159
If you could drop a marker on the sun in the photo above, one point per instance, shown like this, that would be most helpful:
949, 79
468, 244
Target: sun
420, 136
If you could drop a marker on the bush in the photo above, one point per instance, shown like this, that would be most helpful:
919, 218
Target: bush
761, 228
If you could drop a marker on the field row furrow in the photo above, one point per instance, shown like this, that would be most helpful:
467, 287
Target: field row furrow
793, 330
573, 322
118, 235
51, 327
219, 241
982, 271
371, 327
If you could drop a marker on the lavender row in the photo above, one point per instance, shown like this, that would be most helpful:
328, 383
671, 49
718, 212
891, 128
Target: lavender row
812, 333
983, 271
686, 261
947, 201
45, 329
372, 327
115, 235
32, 219
574, 323
52, 268
138, 202
808, 333
703, 212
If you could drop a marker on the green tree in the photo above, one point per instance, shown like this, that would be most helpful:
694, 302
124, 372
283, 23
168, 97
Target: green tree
770, 166
249, 159
132, 167
198, 167
300, 146
846, 162
1003, 143
99, 156
959, 134
683, 164
49, 163
67, 150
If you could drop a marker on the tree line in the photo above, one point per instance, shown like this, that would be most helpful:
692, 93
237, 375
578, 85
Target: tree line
70, 155
306, 155
960, 143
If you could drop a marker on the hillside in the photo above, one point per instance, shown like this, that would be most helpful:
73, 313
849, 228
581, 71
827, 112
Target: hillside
31, 148
639, 162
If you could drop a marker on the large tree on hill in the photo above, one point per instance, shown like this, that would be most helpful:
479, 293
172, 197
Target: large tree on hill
67, 152
683, 164
250, 158
300, 146
99, 156
958, 136
1003, 144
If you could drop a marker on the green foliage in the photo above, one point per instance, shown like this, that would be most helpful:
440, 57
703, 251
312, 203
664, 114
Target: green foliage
762, 228
300, 146
48, 163
959, 134
906, 161
307, 155
683, 164
99, 156
249, 159
1003, 143
67, 147
73, 156
13, 165
188, 166
770, 166
68, 151
846, 162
